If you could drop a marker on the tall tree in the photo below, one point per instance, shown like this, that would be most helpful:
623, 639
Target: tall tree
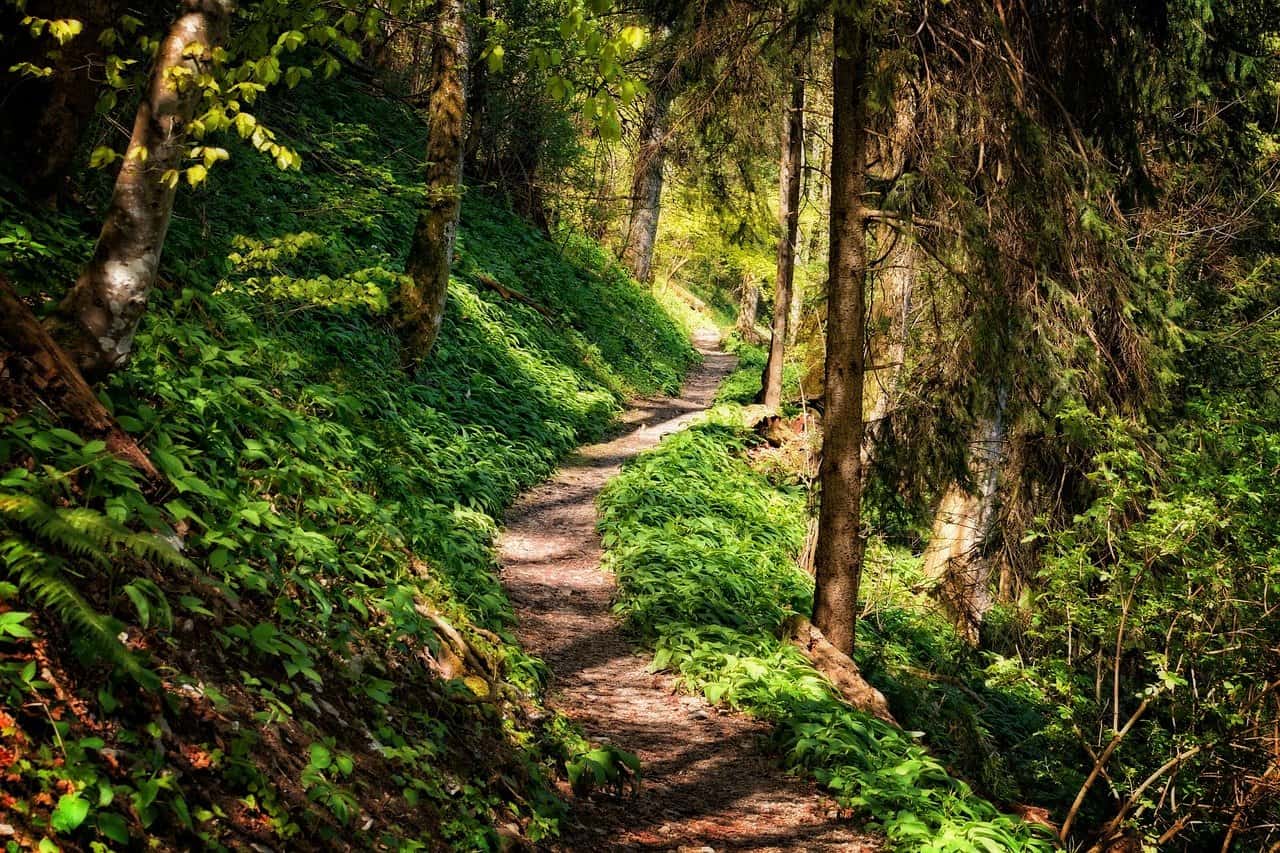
790, 169
646, 181
839, 549
893, 277
422, 297
102, 311
748, 305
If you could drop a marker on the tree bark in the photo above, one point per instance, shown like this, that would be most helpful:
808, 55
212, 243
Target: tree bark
790, 168
954, 559
477, 102
646, 182
32, 361
422, 297
891, 286
839, 550
748, 306
100, 315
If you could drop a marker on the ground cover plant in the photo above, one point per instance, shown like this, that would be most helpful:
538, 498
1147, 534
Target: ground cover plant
705, 552
299, 638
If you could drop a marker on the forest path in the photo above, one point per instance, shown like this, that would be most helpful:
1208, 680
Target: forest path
708, 783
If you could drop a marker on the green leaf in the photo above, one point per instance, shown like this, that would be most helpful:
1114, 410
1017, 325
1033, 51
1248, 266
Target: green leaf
71, 811
113, 826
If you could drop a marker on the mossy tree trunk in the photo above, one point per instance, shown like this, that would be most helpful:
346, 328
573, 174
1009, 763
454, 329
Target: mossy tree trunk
100, 315
790, 168
422, 297
892, 281
646, 181
839, 549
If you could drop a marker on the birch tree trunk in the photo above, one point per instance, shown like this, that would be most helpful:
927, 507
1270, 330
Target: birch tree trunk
422, 297
101, 313
839, 549
646, 182
955, 560
791, 165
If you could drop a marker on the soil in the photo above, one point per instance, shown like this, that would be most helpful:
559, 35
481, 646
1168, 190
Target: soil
708, 784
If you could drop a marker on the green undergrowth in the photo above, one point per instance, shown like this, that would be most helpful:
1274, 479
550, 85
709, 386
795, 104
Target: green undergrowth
704, 549
743, 384
252, 655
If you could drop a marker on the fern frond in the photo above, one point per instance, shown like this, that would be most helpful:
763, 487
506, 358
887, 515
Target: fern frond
44, 521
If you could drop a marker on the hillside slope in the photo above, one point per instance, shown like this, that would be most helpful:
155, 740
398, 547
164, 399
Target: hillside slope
291, 674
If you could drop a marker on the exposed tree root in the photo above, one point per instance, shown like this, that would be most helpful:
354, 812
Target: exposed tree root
30, 358
838, 667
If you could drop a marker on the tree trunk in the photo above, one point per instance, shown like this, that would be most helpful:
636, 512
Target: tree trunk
891, 286
422, 297
748, 306
646, 182
790, 167
101, 313
954, 559
41, 118
819, 189
839, 550
31, 361
477, 102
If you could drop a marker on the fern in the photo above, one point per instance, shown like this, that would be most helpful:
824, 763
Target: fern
39, 548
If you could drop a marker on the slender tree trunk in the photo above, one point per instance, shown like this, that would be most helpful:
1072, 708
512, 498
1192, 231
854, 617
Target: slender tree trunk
821, 189
954, 559
477, 103
101, 313
646, 182
31, 360
422, 297
839, 550
748, 306
790, 167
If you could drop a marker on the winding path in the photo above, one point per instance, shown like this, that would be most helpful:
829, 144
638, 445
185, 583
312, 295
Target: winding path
708, 784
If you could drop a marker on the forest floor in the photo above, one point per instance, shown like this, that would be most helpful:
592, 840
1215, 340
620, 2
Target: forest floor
708, 781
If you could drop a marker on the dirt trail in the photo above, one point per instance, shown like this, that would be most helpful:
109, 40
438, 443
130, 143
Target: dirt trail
708, 784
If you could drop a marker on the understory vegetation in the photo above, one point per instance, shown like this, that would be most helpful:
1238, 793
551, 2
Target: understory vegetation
705, 552
301, 639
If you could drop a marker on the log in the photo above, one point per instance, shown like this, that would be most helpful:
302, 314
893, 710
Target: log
838, 667
30, 358
513, 295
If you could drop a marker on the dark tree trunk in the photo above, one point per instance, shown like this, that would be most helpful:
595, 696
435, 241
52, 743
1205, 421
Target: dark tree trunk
32, 362
422, 298
100, 315
791, 165
839, 550
477, 103
646, 182
41, 118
